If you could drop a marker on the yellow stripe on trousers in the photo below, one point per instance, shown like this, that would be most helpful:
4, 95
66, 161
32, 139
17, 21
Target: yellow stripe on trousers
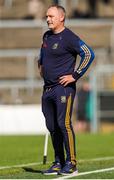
69, 131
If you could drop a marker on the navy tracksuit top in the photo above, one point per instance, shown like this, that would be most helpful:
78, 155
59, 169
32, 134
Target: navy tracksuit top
58, 56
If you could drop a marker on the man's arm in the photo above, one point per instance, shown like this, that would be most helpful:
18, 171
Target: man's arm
39, 62
40, 68
87, 56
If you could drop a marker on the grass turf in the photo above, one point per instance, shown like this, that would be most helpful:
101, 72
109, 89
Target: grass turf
18, 150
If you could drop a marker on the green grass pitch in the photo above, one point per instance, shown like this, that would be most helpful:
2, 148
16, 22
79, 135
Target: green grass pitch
22, 150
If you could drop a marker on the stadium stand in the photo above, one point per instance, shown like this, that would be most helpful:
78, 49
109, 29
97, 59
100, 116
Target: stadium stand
23, 37
16, 9
16, 68
18, 36
29, 35
98, 36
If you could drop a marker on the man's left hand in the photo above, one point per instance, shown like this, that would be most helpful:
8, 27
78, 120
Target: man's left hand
64, 80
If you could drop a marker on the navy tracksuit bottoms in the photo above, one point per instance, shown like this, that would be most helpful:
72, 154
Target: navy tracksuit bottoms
57, 105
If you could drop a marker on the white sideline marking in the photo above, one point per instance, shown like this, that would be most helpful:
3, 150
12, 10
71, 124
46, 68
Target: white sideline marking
88, 172
20, 165
97, 159
38, 163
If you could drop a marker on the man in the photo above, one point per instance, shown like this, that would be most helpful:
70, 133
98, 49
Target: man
56, 64
83, 107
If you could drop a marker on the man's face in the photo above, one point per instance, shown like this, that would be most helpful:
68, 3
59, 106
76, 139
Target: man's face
54, 18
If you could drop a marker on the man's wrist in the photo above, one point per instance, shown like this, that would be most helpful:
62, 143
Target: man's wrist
75, 75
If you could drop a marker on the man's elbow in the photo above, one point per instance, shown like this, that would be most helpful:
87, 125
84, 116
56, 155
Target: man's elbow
92, 55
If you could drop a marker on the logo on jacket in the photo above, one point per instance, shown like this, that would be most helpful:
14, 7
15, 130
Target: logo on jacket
55, 46
63, 99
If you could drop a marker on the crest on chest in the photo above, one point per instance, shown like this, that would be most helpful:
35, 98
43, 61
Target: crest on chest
55, 45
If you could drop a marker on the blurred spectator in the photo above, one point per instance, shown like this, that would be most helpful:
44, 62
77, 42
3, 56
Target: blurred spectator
87, 11
92, 8
83, 108
36, 9
106, 1
77, 13
55, 1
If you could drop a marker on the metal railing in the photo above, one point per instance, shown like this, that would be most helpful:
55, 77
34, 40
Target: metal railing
31, 81
99, 84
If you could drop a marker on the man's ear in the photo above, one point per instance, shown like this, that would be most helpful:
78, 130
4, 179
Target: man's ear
62, 18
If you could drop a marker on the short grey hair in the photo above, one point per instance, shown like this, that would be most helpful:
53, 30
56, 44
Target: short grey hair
59, 8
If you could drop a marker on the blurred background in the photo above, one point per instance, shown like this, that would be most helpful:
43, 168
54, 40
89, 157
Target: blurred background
22, 24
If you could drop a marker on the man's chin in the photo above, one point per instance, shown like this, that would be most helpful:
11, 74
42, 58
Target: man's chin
50, 27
